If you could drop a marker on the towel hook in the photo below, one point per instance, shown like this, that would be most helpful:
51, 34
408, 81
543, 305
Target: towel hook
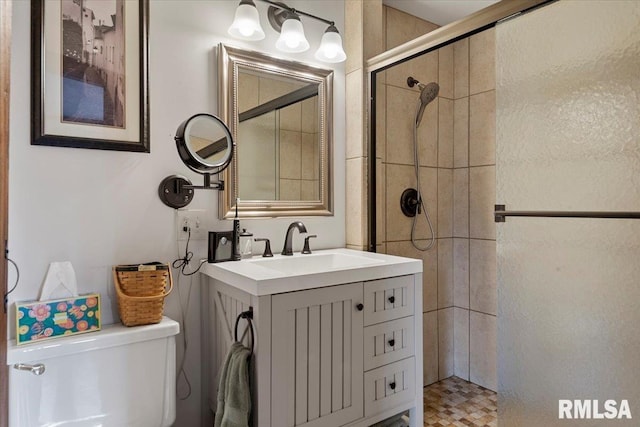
248, 315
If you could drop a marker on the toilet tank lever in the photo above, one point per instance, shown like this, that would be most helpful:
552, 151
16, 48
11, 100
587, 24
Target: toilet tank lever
37, 369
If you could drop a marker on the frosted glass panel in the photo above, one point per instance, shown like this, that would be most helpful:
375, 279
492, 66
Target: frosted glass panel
568, 317
568, 107
568, 138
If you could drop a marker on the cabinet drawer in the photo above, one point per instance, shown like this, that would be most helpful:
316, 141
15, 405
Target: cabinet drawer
389, 386
388, 342
388, 299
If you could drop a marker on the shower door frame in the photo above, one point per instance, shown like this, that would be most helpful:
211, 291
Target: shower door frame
463, 28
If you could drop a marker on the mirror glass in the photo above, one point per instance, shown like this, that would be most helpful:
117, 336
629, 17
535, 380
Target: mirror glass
279, 113
205, 143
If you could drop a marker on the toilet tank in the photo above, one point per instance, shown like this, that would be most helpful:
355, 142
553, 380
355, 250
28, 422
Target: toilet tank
116, 377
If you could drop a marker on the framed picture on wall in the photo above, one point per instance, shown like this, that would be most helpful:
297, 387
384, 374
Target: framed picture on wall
89, 61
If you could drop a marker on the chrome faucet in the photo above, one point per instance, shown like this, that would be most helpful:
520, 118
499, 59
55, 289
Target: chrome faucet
288, 240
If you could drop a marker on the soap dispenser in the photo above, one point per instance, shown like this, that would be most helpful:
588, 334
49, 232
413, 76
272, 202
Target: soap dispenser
246, 245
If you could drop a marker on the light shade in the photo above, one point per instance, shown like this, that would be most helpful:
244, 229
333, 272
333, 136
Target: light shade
292, 37
246, 24
330, 49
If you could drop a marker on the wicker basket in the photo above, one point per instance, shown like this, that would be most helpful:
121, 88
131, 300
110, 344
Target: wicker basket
141, 290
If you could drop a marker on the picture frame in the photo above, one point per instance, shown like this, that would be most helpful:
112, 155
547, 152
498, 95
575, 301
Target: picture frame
89, 74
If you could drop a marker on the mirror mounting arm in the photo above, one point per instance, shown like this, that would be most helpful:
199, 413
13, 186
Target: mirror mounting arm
177, 191
208, 185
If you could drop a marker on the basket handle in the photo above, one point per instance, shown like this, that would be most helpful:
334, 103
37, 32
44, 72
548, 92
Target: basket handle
149, 298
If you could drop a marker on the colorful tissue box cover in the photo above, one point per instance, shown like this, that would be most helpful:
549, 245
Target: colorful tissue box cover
42, 320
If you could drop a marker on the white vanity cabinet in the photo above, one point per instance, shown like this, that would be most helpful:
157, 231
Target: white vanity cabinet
344, 354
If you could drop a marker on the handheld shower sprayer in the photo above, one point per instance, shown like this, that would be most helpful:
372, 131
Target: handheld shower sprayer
411, 201
428, 93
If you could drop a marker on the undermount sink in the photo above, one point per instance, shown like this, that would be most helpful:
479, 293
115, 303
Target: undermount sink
264, 276
314, 263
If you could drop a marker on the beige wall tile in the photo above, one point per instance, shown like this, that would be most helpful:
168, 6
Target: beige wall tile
291, 117
381, 201
429, 269
482, 351
290, 154
354, 202
461, 202
353, 43
482, 198
308, 190
373, 37
381, 119
308, 155
271, 89
461, 343
482, 61
356, 248
399, 178
402, 27
445, 202
401, 114
430, 347
424, 68
445, 71
445, 273
290, 189
482, 129
461, 273
482, 284
355, 115
445, 343
310, 115
445, 133
248, 92
461, 133
381, 249
461, 68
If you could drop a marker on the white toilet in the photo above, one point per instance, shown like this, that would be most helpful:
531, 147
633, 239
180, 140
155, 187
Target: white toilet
117, 377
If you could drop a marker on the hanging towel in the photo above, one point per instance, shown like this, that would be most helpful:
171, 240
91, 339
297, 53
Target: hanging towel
234, 395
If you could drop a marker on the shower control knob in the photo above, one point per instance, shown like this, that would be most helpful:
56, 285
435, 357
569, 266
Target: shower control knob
360, 307
392, 343
392, 299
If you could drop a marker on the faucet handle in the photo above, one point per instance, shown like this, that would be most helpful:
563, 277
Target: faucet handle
267, 247
306, 249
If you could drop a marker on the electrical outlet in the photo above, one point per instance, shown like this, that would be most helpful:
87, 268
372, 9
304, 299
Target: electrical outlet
193, 219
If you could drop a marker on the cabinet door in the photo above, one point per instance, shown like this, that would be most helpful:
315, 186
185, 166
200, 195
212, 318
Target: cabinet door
316, 365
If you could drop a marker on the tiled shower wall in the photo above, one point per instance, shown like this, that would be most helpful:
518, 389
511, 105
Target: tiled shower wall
474, 244
457, 169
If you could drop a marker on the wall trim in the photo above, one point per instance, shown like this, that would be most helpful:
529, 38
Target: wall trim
5, 57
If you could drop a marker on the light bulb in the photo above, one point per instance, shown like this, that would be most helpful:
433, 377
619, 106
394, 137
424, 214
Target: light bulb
246, 24
292, 37
330, 49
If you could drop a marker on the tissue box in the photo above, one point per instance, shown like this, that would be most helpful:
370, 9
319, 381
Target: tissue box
42, 320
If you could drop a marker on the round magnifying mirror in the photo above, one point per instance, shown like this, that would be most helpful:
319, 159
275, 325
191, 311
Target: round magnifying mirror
205, 143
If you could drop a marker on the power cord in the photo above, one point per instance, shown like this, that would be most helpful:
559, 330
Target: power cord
181, 265
6, 295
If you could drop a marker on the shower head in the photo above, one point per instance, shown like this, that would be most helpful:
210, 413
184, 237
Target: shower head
427, 94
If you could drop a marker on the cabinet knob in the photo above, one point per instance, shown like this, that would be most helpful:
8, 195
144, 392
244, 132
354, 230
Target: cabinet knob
360, 307
392, 385
392, 299
392, 343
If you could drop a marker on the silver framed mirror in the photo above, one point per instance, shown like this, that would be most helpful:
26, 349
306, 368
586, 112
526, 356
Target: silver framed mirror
280, 114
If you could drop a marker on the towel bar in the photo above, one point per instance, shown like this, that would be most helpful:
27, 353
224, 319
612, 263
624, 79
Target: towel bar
501, 214
248, 315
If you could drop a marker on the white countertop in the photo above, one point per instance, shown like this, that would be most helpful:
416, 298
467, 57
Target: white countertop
265, 276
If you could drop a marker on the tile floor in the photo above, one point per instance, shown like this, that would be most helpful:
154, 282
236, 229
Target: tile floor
456, 402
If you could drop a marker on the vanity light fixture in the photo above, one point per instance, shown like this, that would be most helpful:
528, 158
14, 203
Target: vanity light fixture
286, 21
246, 23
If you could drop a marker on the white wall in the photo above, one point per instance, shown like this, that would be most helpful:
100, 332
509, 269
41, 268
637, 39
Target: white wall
99, 208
